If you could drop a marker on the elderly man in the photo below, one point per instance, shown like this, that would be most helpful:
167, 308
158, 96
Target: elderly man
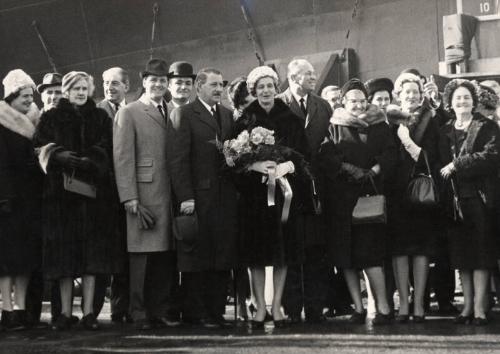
332, 95
143, 181
306, 285
50, 90
115, 82
115, 86
200, 185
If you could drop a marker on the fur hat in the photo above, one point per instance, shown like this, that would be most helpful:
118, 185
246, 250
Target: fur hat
259, 73
16, 80
404, 78
354, 84
380, 84
72, 77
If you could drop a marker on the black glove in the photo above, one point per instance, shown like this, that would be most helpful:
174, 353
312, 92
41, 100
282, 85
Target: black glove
67, 159
357, 173
87, 164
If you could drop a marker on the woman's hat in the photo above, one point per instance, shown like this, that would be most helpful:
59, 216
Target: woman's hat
353, 84
156, 67
72, 77
181, 69
49, 80
16, 80
380, 84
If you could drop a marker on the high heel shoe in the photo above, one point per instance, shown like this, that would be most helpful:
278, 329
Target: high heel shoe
418, 319
460, 319
357, 317
402, 318
257, 325
480, 321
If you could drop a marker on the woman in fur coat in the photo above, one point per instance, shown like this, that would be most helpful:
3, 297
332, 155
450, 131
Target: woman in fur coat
360, 150
20, 196
265, 239
469, 150
79, 225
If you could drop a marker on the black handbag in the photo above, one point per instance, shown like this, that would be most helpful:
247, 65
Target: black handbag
370, 209
421, 189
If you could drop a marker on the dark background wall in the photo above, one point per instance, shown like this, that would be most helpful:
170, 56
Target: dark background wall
92, 35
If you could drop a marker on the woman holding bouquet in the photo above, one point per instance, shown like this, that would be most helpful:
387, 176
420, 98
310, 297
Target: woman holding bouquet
267, 239
359, 156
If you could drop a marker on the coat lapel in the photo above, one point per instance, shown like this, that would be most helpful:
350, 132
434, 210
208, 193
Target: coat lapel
206, 117
311, 109
152, 112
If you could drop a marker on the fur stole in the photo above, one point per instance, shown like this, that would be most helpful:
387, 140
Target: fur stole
372, 115
22, 124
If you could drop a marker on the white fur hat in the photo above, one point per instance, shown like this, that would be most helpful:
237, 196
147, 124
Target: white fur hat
404, 78
16, 80
258, 73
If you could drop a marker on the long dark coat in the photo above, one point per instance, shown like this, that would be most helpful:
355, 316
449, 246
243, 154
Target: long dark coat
473, 242
20, 189
414, 231
196, 166
264, 239
316, 125
80, 233
348, 245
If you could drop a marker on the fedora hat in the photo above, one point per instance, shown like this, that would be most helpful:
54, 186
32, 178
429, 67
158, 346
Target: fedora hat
50, 79
181, 69
156, 67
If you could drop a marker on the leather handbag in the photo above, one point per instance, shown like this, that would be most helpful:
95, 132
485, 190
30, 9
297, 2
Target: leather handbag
75, 185
421, 189
370, 209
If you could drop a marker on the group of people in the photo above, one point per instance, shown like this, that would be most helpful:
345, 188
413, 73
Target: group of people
140, 196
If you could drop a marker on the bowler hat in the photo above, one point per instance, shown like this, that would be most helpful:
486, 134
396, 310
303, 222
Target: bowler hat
156, 67
50, 79
181, 69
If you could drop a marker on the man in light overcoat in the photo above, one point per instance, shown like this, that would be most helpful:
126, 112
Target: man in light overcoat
143, 180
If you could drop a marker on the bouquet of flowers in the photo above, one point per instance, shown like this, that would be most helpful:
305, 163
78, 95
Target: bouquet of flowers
259, 145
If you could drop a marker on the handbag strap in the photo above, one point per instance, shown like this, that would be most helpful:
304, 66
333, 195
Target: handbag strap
372, 183
427, 165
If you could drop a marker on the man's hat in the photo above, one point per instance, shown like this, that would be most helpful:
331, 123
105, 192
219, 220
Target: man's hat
181, 69
50, 79
156, 67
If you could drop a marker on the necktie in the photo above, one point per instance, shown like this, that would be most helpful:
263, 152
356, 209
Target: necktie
116, 106
160, 108
303, 107
215, 115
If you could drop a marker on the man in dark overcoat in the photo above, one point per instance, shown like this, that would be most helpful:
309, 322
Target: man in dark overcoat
201, 186
143, 181
306, 285
115, 83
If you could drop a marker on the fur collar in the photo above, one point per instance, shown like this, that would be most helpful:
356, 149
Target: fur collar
373, 115
22, 124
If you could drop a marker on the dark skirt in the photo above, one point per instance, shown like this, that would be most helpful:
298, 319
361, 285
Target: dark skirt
473, 243
413, 231
20, 238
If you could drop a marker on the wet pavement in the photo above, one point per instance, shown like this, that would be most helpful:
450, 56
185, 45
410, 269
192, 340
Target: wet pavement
436, 335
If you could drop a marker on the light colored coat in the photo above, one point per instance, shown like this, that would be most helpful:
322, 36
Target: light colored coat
140, 158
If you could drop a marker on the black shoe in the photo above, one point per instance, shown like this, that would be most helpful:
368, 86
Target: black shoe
294, 319
357, 318
344, 310
166, 322
402, 318
418, 319
316, 319
143, 324
222, 322
257, 325
381, 319
463, 319
480, 321
14, 320
62, 323
89, 322
118, 318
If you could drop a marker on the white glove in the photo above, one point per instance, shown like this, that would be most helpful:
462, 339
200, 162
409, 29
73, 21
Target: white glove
262, 166
285, 168
409, 145
187, 207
